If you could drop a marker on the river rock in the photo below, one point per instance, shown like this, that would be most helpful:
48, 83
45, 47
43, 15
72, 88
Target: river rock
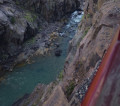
57, 45
58, 52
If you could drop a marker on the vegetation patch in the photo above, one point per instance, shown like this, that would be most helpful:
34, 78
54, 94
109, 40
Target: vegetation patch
70, 88
30, 41
85, 32
88, 15
12, 20
17, 2
82, 18
4, 56
30, 18
60, 76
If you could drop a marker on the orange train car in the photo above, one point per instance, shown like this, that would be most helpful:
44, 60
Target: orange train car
105, 87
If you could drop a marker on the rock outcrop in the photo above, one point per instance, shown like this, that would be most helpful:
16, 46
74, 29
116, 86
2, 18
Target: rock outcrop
16, 26
57, 98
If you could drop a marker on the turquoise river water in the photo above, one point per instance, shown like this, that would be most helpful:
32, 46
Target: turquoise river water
44, 70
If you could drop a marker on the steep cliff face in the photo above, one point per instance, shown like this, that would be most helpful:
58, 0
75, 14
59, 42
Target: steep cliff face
87, 48
16, 26
51, 10
94, 35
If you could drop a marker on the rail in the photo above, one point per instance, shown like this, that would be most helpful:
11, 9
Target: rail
103, 89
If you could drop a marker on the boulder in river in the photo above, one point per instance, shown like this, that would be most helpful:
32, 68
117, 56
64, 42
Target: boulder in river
58, 52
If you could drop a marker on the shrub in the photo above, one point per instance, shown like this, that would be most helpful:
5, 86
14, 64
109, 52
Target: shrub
82, 17
30, 18
17, 2
85, 32
30, 41
70, 88
12, 20
4, 56
88, 15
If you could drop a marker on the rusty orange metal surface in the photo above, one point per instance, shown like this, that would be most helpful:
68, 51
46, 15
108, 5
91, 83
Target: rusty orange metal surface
108, 64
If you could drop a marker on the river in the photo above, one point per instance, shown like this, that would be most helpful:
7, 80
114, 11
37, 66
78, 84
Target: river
44, 70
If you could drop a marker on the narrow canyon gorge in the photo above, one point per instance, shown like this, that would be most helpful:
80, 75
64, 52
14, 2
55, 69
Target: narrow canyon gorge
50, 50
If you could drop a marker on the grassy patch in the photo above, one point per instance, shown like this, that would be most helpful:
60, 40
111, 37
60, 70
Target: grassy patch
85, 32
88, 15
30, 18
70, 88
4, 56
60, 76
17, 2
30, 41
83, 17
